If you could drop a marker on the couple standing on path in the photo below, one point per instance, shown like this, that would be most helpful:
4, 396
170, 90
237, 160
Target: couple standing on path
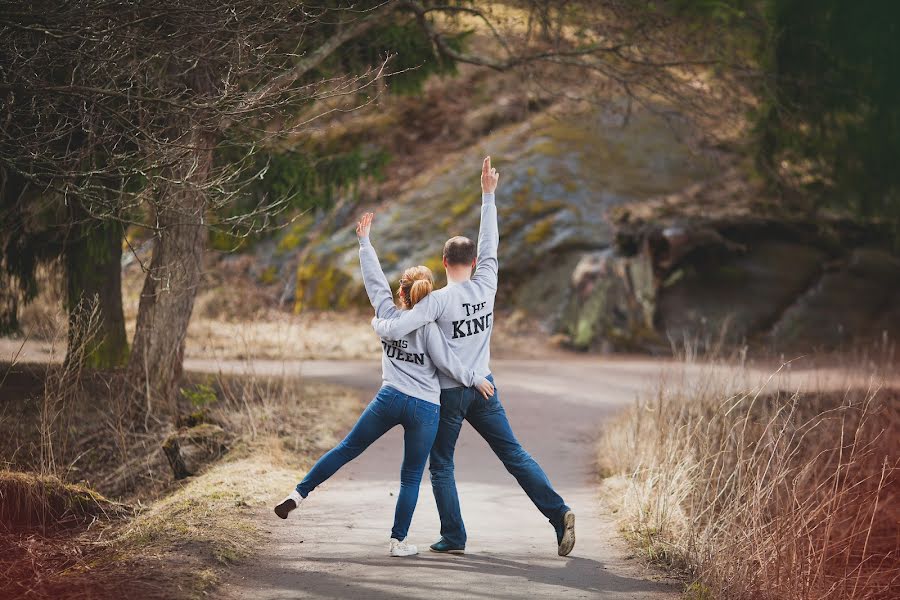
436, 375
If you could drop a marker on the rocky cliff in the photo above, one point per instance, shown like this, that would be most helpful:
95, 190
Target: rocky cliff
576, 258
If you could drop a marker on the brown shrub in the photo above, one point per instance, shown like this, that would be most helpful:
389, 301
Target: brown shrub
43, 503
764, 495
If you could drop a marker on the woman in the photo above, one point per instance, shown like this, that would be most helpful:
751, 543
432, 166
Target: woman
409, 396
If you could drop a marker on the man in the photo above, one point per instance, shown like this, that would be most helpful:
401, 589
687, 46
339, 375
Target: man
464, 311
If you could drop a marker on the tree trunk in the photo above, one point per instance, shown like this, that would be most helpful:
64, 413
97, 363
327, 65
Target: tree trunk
93, 257
170, 286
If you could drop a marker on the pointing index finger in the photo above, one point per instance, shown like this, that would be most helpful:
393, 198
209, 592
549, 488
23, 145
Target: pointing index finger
486, 165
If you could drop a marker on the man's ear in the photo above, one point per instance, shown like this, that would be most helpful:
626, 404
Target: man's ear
444, 260
474, 261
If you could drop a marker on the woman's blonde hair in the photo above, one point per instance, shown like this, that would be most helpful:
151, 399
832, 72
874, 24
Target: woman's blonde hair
416, 283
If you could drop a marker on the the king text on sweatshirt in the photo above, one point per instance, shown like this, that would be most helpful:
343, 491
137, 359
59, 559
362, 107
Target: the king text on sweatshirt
464, 311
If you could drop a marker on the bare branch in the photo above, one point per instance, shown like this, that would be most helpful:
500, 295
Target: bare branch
315, 58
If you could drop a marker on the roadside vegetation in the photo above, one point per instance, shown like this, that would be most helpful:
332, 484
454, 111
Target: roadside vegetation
757, 491
89, 509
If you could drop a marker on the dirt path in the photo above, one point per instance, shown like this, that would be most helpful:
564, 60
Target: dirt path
336, 546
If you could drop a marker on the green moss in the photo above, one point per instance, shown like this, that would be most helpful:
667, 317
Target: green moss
327, 290
698, 591
539, 207
588, 319
305, 273
295, 235
200, 395
546, 148
107, 354
226, 555
522, 196
583, 334
540, 232
463, 206
192, 419
324, 287
224, 241
507, 211
731, 274
436, 264
353, 295
269, 275
93, 253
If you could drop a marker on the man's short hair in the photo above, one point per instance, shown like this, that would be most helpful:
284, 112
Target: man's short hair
459, 250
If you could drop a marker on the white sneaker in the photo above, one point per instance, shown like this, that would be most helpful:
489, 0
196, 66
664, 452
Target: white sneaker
567, 541
399, 548
292, 501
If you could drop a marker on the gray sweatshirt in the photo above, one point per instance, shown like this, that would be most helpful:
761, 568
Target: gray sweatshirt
409, 362
464, 312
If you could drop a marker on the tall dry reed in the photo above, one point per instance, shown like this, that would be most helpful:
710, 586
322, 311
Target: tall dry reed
761, 493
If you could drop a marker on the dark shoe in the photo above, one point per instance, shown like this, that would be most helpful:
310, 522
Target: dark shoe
442, 546
288, 504
565, 535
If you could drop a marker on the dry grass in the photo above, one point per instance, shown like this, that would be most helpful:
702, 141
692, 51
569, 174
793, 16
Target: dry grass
188, 530
282, 425
43, 319
309, 336
44, 503
282, 336
762, 494
208, 524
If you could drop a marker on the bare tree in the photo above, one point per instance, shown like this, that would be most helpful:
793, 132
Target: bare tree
123, 108
119, 111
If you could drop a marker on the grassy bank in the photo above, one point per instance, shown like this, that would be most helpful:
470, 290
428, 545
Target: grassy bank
757, 493
107, 519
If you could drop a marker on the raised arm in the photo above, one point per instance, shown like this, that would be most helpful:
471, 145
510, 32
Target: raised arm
487, 266
445, 359
404, 321
377, 287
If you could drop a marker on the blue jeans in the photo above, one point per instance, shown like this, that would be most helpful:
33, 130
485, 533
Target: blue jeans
489, 420
389, 408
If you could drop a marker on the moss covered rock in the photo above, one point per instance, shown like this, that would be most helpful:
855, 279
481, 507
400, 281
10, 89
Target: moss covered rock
617, 237
613, 303
559, 176
778, 286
